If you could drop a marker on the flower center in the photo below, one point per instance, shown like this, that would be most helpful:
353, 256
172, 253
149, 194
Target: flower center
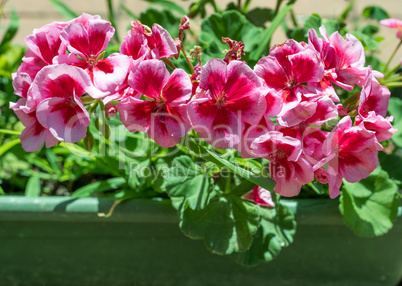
221, 100
92, 60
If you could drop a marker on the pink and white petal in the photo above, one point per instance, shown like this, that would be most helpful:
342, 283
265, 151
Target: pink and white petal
300, 113
45, 42
213, 77
335, 183
350, 52
134, 45
392, 23
356, 139
111, 72
70, 59
178, 114
149, 77
249, 109
175, 125
135, 114
274, 103
67, 122
178, 88
241, 81
358, 165
325, 111
99, 34
273, 74
306, 66
303, 171
21, 83
378, 124
160, 134
33, 137
50, 140
76, 38
227, 129
163, 42
259, 196
202, 113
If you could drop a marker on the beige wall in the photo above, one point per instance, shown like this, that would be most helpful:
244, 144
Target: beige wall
36, 13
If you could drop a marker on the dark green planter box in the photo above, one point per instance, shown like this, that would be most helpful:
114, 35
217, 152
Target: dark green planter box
61, 241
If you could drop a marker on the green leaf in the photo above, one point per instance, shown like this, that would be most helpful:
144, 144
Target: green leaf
331, 26
98, 187
10, 144
207, 155
64, 10
2, 193
11, 30
313, 22
395, 109
164, 18
229, 24
392, 164
260, 16
169, 5
227, 224
186, 185
33, 188
370, 206
265, 38
276, 231
375, 13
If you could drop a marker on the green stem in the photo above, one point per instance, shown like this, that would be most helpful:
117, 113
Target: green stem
10, 132
216, 8
187, 59
392, 55
112, 19
345, 12
245, 7
388, 74
394, 84
278, 5
292, 16
169, 63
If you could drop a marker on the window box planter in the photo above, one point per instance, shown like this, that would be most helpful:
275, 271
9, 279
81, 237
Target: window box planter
62, 241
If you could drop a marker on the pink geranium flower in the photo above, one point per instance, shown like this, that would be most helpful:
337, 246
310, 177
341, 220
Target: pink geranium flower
143, 43
287, 67
373, 97
343, 58
351, 153
288, 167
55, 95
86, 38
259, 196
34, 134
228, 97
393, 23
378, 124
163, 112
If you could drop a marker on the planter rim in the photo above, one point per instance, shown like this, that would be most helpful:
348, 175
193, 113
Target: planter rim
156, 210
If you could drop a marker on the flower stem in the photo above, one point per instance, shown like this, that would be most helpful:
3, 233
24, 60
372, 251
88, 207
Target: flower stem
187, 59
392, 55
169, 63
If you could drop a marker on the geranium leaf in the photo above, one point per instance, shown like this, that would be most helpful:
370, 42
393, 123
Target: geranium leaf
186, 185
276, 231
227, 224
370, 206
230, 24
207, 155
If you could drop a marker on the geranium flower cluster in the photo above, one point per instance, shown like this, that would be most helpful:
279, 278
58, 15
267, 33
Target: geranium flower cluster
286, 109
